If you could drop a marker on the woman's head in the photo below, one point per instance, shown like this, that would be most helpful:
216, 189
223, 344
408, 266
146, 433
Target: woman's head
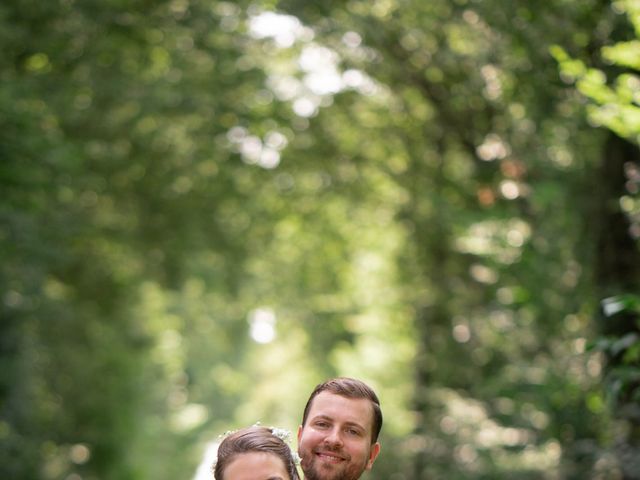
255, 452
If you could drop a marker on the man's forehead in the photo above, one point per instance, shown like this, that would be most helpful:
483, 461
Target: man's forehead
345, 409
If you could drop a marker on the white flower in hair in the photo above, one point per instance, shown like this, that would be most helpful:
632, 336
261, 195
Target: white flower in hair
285, 436
282, 434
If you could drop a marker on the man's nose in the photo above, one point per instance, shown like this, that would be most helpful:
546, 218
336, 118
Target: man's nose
334, 438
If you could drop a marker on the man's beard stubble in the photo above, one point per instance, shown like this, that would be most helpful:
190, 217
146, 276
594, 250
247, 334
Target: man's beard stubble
312, 473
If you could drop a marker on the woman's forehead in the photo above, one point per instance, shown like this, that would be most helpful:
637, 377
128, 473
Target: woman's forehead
256, 466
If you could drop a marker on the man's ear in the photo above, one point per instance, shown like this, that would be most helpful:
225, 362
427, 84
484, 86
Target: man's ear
299, 433
375, 450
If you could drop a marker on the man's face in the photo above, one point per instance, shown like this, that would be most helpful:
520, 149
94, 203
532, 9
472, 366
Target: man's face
335, 442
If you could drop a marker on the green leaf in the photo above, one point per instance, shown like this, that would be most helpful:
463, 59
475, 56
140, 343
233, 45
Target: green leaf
624, 343
619, 303
632, 355
625, 54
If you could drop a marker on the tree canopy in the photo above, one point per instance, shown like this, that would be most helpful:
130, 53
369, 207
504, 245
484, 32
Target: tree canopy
208, 207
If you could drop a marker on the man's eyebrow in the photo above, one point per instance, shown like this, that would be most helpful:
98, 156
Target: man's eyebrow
322, 416
349, 424
275, 478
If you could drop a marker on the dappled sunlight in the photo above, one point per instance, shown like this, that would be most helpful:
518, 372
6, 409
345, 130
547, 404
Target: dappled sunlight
510, 189
493, 148
478, 438
57, 458
493, 86
285, 87
256, 151
306, 106
501, 240
262, 325
317, 65
461, 333
359, 81
188, 417
79, 453
285, 30
483, 274
321, 67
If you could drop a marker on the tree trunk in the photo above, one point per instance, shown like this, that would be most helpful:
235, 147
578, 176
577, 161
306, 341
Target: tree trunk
617, 271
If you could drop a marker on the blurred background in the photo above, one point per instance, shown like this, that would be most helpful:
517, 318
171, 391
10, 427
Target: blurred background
209, 207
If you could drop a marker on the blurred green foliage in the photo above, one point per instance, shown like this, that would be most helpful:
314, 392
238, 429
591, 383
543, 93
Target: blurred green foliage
615, 104
208, 207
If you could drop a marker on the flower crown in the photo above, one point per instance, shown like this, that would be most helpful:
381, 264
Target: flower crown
281, 433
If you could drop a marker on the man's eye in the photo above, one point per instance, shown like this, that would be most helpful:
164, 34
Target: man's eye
352, 431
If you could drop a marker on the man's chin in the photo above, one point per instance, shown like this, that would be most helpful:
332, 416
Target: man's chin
323, 472
326, 472
318, 469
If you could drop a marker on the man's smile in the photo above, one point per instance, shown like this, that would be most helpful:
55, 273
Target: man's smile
330, 457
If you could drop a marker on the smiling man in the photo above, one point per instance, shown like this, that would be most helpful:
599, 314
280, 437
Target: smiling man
338, 438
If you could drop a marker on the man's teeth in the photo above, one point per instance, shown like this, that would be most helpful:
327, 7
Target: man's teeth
328, 456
